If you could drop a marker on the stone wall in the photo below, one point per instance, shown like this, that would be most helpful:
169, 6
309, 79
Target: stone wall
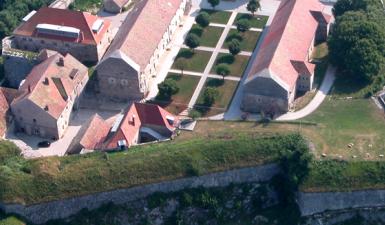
41, 213
314, 203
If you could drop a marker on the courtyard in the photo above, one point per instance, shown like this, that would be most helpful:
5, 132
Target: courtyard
195, 70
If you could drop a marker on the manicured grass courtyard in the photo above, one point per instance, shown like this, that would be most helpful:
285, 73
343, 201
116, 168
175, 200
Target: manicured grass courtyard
197, 60
256, 21
248, 39
209, 36
180, 100
226, 89
221, 17
237, 64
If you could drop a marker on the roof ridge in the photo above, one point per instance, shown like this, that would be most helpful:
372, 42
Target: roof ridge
89, 28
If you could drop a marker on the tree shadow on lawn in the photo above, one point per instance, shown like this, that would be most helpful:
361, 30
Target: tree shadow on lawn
234, 36
228, 59
345, 84
185, 53
245, 16
215, 82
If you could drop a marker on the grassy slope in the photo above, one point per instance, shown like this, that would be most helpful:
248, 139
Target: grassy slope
53, 178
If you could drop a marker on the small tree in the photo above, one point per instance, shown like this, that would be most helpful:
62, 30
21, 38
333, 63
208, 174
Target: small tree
253, 6
243, 25
213, 3
210, 95
192, 41
223, 70
203, 19
234, 47
167, 88
181, 64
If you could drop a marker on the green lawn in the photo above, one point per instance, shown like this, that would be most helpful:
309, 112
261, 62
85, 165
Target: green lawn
341, 122
209, 36
179, 101
197, 60
226, 91
256, 21
237, 64
248, 39
86, 5
221, 17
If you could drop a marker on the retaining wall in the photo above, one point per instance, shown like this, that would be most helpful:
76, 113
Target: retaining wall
319, 202
41, 213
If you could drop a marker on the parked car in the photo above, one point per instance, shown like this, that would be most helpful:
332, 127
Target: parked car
44, 144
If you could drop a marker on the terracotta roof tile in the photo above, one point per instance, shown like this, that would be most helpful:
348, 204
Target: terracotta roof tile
138, 115
143, 29
48, 83
64, 17
288, 39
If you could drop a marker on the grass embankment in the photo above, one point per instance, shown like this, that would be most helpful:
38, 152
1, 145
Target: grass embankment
11, 221
345, 176
52, 178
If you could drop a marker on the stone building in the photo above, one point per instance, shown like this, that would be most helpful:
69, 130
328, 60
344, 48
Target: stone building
126, 70
283, 64
115, 6
47, 96
141, 123
81, 34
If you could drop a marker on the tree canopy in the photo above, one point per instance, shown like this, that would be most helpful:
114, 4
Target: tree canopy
243, 25
210, 95
234, 47
167, 88
223, 70
253, 6
357, 45
203, 19
192, 41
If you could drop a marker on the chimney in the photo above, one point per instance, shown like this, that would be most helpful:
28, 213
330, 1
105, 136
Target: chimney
133, 119
61, 61
46, 81
46, 108
29, 88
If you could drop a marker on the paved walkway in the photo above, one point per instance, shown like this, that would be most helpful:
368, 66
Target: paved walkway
212, 60
222, 50
234, 27
317, 100
191, 73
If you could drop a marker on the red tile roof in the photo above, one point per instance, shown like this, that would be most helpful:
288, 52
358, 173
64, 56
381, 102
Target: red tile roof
138, 115
94, 132
288, 39
52, 94
143, 29
64, 17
